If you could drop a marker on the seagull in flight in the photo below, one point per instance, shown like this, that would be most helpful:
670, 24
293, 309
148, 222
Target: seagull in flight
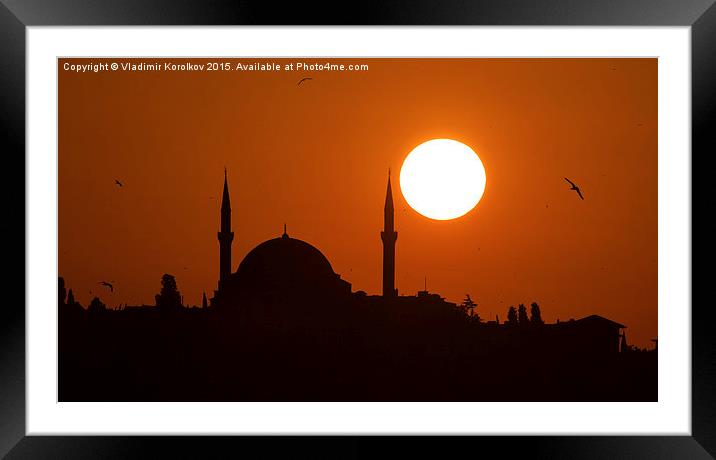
109, 285
118, 183
575, 188
303, 79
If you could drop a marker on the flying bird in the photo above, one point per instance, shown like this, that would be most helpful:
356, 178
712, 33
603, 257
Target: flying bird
303, 79
118, 183
575, 188
109, 285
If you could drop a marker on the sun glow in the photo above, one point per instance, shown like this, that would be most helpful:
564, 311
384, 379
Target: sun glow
442, 179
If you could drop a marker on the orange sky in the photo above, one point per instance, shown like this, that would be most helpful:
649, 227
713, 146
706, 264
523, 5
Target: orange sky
316, 156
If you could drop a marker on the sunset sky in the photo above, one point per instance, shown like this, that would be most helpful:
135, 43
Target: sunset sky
316, 157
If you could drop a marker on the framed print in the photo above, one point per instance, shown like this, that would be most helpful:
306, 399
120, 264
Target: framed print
442, 222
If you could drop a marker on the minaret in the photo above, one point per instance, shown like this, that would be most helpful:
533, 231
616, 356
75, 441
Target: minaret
389, 235
226, 236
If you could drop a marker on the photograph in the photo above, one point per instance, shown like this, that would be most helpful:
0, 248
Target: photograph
357, 229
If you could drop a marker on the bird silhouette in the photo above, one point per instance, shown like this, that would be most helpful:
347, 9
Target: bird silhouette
575, 188
118, 183
109, 285
303, 79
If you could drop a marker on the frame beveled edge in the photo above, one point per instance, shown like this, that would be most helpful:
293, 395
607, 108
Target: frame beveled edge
699, 14
12, 225
703, 142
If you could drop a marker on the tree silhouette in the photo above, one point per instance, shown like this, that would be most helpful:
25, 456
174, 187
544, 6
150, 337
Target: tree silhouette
535, 314
204, 303
169, 297
70, 298
61, 292
511, 316
468, 306
522, 315
96, 306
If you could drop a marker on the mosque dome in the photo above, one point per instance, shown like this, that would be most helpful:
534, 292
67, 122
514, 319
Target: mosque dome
285, 259
286, 265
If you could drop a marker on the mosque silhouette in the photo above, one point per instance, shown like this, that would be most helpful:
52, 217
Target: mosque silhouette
282, 268
287, 268
285, 327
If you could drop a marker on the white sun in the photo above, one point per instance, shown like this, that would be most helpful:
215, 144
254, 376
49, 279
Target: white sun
442, 179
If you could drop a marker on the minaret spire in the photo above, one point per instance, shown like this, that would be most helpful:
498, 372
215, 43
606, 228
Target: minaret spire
225, 235
225, 199
389, 236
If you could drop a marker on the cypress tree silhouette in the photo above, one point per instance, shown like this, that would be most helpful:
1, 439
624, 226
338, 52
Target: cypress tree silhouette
70, 298
204, 303
169, 297
535, 314
522, 315
511, 316
624, 347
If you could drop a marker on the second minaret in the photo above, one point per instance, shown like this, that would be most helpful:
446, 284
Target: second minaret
389, 236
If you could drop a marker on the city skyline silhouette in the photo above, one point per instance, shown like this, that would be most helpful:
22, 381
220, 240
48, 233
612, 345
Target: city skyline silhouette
284, 311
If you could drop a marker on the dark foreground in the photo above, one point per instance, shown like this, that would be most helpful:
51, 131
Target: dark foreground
373, 354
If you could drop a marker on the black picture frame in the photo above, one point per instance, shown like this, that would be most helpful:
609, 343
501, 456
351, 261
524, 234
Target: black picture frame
17, 15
